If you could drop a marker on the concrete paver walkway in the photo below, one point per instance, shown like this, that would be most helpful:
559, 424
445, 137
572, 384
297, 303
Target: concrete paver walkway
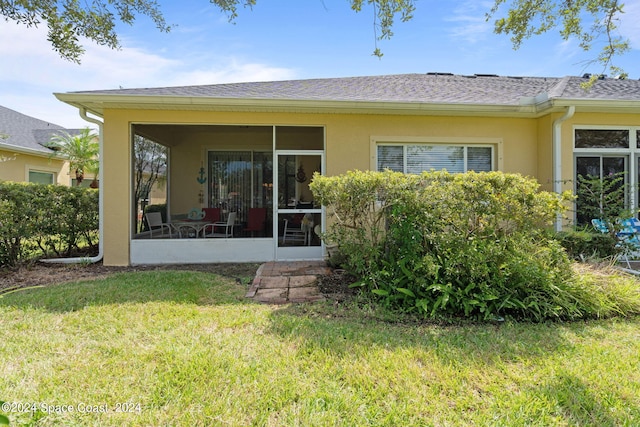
290, 281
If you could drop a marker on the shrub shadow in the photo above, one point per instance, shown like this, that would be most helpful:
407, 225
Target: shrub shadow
473, 342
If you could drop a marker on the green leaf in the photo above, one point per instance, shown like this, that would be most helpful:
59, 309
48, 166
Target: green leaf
381, 292
406, 292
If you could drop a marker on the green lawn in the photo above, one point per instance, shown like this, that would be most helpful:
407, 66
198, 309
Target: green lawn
186, 349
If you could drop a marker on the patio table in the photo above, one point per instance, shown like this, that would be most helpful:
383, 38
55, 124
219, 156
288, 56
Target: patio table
190, 227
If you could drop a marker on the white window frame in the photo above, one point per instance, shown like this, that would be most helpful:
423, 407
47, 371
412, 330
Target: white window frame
496, 145
632, 153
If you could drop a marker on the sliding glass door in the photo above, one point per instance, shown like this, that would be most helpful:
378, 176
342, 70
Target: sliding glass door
241, 181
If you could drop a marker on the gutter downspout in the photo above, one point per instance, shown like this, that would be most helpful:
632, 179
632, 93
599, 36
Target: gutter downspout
90, 260
557, 157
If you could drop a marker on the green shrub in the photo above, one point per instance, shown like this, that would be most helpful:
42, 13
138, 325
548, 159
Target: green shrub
41, 220
474, 244
602, 198
584, 244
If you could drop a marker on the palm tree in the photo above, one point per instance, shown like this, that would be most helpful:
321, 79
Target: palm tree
81, 150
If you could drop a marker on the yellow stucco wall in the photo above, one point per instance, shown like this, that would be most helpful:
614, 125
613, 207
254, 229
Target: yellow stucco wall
522, 145
15, 166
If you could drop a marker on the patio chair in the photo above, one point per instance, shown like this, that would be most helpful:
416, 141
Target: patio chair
298, 229
628, 238
225, 227
600, 225
154, 221
211, 214
257, 220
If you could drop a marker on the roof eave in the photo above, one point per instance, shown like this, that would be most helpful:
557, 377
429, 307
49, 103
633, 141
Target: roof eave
25, 150
599, 105
98, 103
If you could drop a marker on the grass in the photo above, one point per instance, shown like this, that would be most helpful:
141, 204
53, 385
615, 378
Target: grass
186, 349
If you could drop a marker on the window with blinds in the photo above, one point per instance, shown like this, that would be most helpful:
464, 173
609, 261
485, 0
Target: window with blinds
416, 158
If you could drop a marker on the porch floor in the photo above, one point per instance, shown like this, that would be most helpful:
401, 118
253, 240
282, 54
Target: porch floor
281, 282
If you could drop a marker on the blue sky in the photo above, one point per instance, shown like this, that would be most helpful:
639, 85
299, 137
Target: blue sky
278, 40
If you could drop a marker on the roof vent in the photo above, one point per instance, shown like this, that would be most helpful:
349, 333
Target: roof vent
439, 74
586, 76
486, 75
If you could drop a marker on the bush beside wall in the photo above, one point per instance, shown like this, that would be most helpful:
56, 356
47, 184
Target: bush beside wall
472, 245
45, 220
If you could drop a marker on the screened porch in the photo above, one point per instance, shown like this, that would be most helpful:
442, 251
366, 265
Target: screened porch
233, 193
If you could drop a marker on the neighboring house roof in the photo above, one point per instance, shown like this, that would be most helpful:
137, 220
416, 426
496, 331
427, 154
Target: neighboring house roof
27, 134
425, 92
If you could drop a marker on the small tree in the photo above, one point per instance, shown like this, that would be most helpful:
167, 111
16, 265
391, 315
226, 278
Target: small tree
81, 150
602, 198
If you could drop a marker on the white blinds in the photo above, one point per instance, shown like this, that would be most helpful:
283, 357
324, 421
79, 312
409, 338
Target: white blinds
418, 158
438, 157
391, 157
479, 159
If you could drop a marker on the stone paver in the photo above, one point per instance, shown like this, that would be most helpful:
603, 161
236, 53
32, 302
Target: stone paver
290, 281
306, 294
302, 281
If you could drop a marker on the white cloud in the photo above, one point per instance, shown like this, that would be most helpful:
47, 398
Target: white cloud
470, 23
32, 72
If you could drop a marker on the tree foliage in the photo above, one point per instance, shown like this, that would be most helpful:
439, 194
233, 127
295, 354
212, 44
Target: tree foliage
81, 150
585, 20
588, 21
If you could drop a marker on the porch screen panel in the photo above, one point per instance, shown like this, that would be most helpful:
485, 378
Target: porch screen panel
262, 181
391, 157
230, 181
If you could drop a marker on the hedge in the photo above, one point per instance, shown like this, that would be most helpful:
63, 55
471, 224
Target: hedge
473, 245
45, 220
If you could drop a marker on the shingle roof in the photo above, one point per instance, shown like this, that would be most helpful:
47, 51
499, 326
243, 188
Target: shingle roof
438, 88
27, 132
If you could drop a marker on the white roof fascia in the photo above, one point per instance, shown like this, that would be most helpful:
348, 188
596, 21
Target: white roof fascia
97, 103
600, 105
